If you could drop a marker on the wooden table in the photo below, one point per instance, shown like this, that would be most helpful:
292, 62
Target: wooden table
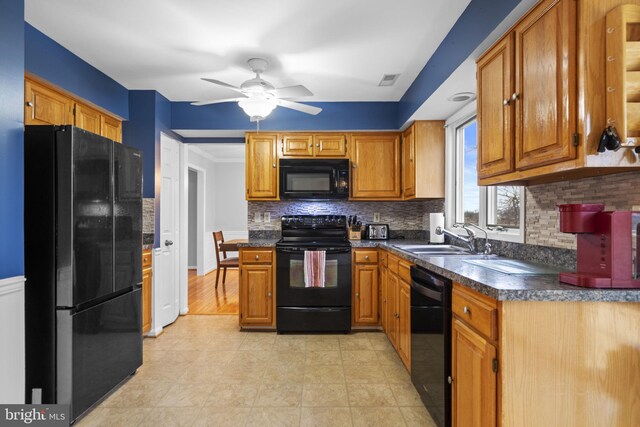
231, 245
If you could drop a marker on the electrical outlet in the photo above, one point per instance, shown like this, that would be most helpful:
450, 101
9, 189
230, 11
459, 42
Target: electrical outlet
257, 217
266, 217
635, 208
376, 217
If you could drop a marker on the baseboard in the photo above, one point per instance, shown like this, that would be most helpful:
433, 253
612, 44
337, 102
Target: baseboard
155, 333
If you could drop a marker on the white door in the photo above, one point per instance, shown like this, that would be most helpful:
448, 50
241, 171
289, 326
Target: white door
169, 283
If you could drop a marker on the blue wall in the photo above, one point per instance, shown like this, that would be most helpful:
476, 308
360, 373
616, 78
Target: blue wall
52, 62
334, 115
475, 24
139, 132
11, 138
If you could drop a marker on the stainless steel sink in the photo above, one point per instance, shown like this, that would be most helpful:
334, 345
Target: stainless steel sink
513, 266
433, 250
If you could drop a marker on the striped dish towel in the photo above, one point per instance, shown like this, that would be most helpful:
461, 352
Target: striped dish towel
314, 264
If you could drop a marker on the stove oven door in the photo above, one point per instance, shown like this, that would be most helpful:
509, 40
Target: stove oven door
290, 286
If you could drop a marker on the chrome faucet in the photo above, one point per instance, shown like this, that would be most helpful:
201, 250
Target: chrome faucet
470, 240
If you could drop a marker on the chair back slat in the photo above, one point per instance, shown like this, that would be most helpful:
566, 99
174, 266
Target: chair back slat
218, 238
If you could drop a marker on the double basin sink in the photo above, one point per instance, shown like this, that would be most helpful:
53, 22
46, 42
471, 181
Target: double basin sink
491, 262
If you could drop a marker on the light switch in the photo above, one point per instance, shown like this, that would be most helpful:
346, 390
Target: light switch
376, 217
267, 217
257, 217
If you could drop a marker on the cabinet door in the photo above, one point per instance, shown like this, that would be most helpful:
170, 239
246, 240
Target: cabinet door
383, 298
392, 324
474, 387
404, 323
329, 145
262, 167
146, 299
408, 164
546, 84
46, 107
111, 128
365, 297
496, 110
87, 119
297, 145
256, 295
375, 167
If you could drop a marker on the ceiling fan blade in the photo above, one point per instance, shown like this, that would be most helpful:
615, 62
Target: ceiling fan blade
216, 101
218, 82
309, 109
292, 92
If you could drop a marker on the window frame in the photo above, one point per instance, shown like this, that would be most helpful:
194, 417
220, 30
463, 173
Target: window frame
453, 189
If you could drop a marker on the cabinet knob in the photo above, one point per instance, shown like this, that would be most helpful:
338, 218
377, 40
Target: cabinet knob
506, 102
29, 104
318, 145
515, 96
366, 257
357, 294
273, 165
449, 379
353, 165
269, 294
310, 145
466, 310
258, 257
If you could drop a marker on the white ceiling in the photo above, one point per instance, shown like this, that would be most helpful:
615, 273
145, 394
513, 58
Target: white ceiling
338, 49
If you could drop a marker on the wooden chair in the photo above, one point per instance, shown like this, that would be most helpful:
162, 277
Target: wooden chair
225, 262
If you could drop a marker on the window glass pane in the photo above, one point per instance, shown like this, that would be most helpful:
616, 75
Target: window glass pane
507, 207
470, 189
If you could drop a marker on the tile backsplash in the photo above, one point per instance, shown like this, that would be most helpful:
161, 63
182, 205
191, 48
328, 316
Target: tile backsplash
148, 215
617, 192
409, 215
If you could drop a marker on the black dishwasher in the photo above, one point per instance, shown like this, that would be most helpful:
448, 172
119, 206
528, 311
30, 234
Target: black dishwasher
431, 342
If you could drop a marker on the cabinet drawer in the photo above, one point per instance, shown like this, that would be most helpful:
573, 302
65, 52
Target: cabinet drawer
404, 271
367, 257
146, 259
256, 256
477, 311
393, 263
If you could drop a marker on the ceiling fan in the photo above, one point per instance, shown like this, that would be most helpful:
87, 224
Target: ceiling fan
260, 97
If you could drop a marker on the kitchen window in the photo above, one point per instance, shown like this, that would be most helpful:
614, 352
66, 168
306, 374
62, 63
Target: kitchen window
498, 209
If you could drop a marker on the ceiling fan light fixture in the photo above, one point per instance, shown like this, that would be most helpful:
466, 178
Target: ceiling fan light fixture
258, 108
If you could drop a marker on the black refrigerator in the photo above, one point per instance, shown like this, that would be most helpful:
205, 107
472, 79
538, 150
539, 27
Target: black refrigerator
83, 250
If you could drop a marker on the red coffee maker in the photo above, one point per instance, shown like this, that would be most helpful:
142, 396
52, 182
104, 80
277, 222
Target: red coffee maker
607, 244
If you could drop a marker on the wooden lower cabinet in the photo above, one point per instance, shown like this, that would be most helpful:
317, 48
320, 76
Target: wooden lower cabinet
474, 387
257, 289
147, 284
396, 308
365, 289
384, 271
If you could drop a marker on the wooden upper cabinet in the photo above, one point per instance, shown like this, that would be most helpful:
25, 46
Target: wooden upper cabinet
87, 118
496, 111
375, 161
262, 166
423, 160
313, 145
297, 145
545, 97
408, 164
44, 106
111, 128
330, 145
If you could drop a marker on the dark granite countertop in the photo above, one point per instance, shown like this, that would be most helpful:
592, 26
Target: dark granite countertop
259, 243
500, 286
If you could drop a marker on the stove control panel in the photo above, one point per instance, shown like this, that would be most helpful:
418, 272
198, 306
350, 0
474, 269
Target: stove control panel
313, 221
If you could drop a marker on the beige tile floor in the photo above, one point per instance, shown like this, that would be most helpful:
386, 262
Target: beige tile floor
202, 371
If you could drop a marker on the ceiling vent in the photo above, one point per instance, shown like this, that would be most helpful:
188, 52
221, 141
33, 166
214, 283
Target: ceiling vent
388, 79
462, 97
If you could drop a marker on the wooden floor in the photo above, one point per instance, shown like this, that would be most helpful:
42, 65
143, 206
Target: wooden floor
204, 298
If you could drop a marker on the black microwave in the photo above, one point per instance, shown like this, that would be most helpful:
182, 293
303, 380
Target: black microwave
314, 179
